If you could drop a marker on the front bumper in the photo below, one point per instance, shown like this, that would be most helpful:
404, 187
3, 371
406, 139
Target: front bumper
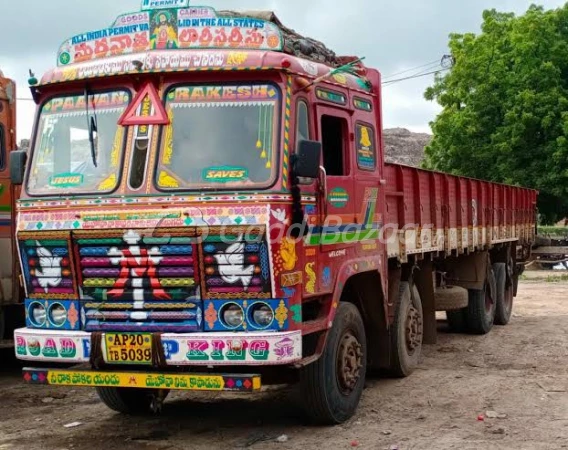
180, 382
194, 349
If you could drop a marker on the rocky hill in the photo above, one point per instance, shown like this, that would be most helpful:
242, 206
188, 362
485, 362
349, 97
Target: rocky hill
405, 147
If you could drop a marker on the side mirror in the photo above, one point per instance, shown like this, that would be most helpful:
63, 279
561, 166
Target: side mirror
18, 160
307, 159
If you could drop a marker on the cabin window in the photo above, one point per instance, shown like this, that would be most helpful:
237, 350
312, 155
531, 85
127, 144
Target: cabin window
366, 148
63, 161
302, 122
220, 137
2, 148
334, 142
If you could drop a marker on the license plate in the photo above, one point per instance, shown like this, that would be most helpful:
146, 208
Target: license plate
128, 348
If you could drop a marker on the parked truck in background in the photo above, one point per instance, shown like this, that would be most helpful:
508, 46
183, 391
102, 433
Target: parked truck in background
206, 207
10, 293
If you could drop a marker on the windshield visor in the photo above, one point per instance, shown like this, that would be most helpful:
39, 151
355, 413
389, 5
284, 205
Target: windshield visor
64, 160
220, 137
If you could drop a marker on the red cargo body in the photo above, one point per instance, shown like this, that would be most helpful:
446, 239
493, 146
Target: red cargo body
436, 212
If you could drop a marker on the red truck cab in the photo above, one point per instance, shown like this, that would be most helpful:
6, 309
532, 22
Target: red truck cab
206, 207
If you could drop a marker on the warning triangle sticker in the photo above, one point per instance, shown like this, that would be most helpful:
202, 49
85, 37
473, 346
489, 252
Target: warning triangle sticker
146, 109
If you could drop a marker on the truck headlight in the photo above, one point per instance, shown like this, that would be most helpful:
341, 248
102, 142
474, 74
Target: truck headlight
262, 315
233, 315
57, 314
38, 314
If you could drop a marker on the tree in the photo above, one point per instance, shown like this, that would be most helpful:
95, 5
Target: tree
505, 105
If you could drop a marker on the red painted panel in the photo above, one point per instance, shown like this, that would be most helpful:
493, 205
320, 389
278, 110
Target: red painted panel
451, 202
425, 193
506, 205
512, 205
446, 201
474, 209
496, 207
390, 177
463, 203
488, 204
410, 200
437, 196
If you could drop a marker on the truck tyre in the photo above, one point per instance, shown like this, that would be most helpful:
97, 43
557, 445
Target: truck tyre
457, 320
450, 298
130, 401
481, 310
406, 332
332, 386
504, 307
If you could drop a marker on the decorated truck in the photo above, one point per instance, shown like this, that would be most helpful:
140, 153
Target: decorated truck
10, 292
206, 206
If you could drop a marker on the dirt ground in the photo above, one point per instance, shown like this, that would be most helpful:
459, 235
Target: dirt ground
519, 372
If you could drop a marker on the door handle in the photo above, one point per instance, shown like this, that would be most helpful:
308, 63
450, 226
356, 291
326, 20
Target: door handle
323, 191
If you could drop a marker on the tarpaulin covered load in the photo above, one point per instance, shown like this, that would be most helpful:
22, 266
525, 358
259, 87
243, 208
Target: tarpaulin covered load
294, 43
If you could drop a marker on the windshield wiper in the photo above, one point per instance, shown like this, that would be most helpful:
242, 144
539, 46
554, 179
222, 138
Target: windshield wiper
92, 127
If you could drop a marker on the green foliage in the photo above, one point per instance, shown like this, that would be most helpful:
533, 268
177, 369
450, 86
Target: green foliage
553, 231
505, 105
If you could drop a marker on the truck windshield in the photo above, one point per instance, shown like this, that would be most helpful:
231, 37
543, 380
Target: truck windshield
62, 159
220, 137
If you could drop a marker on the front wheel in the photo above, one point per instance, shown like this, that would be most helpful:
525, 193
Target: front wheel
132, 401
332, 386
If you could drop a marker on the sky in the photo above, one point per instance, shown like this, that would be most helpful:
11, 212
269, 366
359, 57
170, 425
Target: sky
393, 36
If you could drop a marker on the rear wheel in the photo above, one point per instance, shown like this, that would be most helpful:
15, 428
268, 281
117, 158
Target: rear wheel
131, 400
505, 293
481, 308
332, 386
407, 332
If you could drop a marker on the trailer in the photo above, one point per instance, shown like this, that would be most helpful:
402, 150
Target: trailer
206, 207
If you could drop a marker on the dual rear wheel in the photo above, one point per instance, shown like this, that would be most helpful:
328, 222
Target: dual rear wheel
486, 306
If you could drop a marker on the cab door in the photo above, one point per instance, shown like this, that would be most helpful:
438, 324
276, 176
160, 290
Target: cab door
337, 209
334, 129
